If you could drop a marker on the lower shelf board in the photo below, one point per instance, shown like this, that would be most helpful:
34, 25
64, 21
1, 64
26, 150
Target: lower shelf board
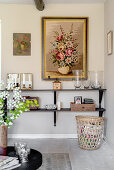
63, 110
53, 110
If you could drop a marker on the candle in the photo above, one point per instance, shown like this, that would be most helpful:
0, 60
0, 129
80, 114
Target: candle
23, 78
15, 79
96, 80
59, 105
29, 78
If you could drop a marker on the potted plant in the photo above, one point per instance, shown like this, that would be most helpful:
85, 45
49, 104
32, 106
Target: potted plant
12, 105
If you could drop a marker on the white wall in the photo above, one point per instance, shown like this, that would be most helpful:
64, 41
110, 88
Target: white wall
26, 18
0, 49
109, 73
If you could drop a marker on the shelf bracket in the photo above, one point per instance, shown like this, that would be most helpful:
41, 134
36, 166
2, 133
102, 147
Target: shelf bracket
54, 118
100, 100
100, 97
54, 111
100, 113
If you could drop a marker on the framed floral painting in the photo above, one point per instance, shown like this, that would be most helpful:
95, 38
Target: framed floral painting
64, 47
21, 44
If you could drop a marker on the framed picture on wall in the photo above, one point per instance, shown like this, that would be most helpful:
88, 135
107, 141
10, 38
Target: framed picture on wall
21, 44
109, 42
64, 47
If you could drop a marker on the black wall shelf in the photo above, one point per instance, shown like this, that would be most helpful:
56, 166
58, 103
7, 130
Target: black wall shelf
52, 90
62, 110
100, 109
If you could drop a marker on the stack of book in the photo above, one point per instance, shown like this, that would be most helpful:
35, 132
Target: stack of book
8, 163
88, 101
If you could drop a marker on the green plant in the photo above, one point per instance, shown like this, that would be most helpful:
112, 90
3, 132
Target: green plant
15, 106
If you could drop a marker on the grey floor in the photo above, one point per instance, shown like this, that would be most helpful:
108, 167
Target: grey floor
101, 159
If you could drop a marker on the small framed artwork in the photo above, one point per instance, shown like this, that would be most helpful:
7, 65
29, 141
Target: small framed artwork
26, 81
56, 85
13, 80
78, 99
21, 44
109, 42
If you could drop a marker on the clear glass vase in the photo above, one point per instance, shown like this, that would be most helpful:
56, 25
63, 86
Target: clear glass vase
78, 78
86, 83
96, 78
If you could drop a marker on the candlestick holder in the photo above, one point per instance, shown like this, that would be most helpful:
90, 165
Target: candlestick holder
24, 86
26, 81
30, 86
13, 80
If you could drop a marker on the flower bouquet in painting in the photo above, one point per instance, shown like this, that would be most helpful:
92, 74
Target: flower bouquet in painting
65, 51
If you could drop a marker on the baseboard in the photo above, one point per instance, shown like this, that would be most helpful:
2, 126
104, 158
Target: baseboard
38, 136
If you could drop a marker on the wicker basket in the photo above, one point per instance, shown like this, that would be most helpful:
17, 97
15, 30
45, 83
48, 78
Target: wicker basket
90, 131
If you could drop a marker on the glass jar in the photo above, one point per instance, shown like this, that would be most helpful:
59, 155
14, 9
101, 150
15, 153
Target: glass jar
86, 83
78, 78
96, 78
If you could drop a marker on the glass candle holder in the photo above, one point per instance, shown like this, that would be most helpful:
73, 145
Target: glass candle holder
96, 78
87, 83
78, 78
50, 106
22, 150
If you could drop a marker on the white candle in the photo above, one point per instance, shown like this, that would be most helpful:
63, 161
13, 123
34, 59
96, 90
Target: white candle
15, 79
29, 78
96, 78
59, 105
23, 78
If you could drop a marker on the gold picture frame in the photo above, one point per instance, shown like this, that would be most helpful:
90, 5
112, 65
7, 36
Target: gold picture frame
64, 47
